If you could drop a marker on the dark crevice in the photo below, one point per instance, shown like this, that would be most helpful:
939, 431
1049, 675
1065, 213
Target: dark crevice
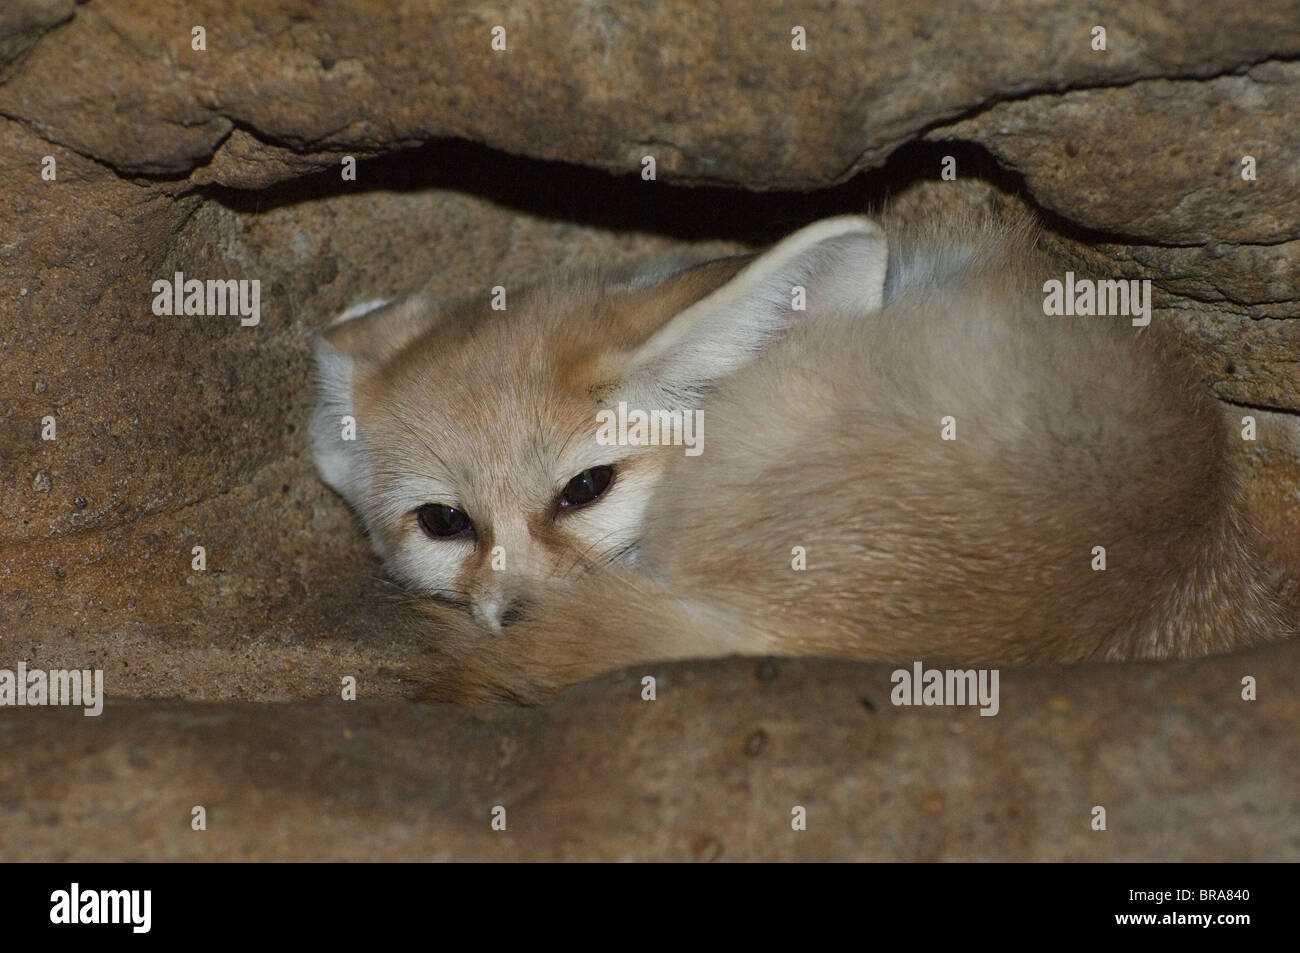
594, 198
307, 148
1266, 408
588, 195
563, 191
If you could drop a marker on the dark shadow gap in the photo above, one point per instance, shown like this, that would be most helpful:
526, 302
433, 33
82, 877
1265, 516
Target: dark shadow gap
594, 198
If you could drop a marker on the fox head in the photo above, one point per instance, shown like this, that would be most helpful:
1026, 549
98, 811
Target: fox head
469, 440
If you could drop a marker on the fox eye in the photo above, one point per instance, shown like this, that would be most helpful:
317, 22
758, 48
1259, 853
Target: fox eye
442, 521
585, 487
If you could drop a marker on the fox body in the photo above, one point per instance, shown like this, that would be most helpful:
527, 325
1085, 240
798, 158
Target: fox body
905, 458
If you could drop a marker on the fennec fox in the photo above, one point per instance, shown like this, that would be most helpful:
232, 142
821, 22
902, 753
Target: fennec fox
917, 462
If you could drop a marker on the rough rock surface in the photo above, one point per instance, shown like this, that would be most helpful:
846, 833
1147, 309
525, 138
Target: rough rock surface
719, 90
710, 770
177, 432
1159, 160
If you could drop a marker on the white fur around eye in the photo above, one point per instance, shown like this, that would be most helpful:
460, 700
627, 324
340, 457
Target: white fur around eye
401, 494
418, 561
614, 520
429, 566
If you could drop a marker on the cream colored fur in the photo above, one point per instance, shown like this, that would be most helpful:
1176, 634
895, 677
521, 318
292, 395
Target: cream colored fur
823, 436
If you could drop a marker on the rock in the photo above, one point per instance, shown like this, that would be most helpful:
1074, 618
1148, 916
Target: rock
1159, 161
718, 97
602, 775
23, 23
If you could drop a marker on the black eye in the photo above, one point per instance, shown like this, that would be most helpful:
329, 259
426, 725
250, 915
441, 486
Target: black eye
586, 486
441, 521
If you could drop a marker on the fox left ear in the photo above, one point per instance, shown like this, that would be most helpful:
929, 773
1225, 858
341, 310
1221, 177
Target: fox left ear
358, 340
839, 263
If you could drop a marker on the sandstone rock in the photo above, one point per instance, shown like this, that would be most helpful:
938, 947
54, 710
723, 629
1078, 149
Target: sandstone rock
718, 95
23, 22
710, 770
1159, 160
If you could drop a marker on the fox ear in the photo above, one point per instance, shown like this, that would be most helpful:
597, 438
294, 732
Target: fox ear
839, 263
373, 330
359, 339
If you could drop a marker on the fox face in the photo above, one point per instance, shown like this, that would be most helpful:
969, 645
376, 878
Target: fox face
471, 441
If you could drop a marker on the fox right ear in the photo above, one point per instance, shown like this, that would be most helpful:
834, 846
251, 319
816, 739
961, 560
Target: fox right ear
837, 265
359, 339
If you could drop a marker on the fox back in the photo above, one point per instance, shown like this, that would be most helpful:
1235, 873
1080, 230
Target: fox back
900, 457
